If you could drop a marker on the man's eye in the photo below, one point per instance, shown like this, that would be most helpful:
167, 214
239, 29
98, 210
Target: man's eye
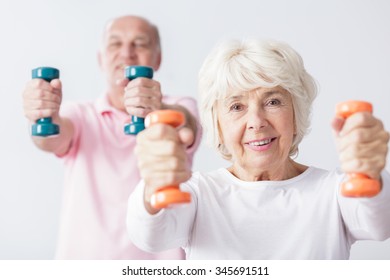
114, 44
141, 45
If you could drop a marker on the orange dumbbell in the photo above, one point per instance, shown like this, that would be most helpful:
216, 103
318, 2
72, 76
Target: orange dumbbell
168, 195
357, 185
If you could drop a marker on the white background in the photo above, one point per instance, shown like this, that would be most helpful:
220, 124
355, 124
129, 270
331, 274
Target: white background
345, 46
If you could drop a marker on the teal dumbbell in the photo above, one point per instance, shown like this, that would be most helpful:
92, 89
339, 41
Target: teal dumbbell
131, 72
45, 127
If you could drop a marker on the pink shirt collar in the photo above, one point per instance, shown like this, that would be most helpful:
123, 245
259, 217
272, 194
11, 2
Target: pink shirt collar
103, 106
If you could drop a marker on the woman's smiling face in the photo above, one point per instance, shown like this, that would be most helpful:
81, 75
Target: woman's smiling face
258, 129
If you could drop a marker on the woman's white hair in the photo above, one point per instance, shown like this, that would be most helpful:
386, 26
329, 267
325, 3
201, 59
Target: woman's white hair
244, 66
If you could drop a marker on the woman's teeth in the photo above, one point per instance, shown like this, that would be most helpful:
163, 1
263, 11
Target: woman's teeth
260, 143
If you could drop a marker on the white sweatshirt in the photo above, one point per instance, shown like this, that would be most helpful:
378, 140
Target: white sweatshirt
300, 218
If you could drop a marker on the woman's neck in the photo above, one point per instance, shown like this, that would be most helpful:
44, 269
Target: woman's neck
288, 170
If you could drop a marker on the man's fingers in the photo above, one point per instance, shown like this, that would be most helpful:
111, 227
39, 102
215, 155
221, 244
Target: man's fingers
122, 82
32, 104
42, 95
34, 115
143, 101
145, 83
56, 84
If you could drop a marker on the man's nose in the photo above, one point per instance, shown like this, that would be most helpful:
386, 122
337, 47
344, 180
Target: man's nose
128, 51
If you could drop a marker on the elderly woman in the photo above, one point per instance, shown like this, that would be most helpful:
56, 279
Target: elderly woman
256, 99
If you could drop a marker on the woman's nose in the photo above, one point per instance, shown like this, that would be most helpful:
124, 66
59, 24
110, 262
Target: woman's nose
256, 119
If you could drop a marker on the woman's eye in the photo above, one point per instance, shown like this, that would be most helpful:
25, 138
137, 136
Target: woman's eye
274, 102
236, 107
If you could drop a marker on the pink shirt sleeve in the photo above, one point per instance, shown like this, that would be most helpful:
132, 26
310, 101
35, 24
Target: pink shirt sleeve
73, 112
191, 105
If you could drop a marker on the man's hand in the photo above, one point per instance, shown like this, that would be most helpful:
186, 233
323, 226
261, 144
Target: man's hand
42, 99
142, 96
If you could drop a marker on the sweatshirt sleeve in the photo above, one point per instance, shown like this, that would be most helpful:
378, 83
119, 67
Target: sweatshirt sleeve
170, 228
368, 218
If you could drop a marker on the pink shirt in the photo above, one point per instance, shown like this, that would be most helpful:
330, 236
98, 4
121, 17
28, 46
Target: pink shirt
100, 174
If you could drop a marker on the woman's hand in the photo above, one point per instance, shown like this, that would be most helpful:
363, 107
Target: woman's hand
162, 158
362, 144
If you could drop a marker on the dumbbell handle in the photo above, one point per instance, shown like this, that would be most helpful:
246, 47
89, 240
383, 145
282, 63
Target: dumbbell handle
357, 184
45, 127
131, 73
169, 195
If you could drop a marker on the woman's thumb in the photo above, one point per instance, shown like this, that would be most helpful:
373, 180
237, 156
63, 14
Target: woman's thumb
186, 136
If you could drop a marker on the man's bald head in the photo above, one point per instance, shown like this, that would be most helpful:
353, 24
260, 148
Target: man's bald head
134, 20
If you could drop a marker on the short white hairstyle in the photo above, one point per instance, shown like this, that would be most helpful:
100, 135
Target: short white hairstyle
244, 66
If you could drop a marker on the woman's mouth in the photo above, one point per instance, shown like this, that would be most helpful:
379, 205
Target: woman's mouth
260, 145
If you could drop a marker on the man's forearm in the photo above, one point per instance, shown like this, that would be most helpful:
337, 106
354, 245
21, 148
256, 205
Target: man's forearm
60, 143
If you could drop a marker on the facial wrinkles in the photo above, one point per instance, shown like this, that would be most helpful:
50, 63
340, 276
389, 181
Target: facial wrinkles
256, 122
132, 34
128, 38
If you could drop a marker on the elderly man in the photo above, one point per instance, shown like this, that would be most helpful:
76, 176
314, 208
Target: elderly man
100, 165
